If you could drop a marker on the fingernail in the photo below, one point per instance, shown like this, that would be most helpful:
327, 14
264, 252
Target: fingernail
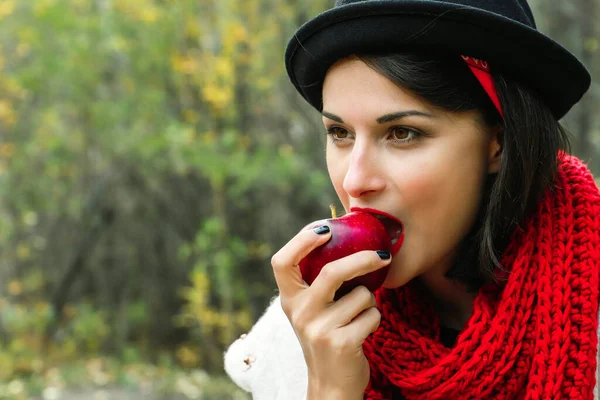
321, 230
384, 255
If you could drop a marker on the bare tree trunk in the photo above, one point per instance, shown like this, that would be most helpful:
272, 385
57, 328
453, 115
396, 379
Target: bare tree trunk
225, 291
587, 24
85, 248
242, 92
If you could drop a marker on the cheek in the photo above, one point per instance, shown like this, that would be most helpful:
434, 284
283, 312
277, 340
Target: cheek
441, 180
440, 200
443, 188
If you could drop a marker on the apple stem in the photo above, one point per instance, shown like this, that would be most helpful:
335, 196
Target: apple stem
333, 211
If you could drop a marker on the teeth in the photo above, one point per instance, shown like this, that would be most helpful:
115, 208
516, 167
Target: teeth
394, 241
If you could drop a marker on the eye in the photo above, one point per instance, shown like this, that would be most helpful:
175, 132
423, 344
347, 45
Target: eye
337, 133
402, 134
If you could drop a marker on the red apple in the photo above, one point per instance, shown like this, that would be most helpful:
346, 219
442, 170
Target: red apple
351, 233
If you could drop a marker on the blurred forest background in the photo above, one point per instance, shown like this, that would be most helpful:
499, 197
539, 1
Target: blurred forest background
153, 156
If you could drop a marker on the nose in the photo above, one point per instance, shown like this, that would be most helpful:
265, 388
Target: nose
364, 175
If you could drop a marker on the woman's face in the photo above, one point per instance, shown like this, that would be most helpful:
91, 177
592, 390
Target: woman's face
390, 150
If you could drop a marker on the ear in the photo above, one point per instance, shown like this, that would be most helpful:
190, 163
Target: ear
495, 149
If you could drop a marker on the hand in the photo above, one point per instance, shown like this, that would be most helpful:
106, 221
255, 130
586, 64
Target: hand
330, 332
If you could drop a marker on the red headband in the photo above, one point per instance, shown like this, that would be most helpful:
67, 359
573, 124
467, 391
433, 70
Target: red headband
481, 70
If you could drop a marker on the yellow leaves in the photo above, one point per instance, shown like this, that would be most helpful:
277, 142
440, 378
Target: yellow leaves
234, 34
192, 28
188, 356
224, 68
11, 88
149, 14
215, 80
217, 97
198, 312
218, 81
209, 138
264, 83
7, 7
7, 150
27, 35
67, 349
7, 362
213, 69
200, 283
41, 6
286, 11
31, 283
8, 116
238, 33
23, 251
15, 287
119, 43
42, 308
81, 5
140, 10
184, 64
191, 116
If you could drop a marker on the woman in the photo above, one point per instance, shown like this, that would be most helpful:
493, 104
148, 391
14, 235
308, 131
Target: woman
443, 116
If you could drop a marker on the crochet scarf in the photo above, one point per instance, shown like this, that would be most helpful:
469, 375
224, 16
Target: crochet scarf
533, 337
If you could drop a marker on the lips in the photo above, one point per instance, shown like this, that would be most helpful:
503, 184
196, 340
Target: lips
392, 224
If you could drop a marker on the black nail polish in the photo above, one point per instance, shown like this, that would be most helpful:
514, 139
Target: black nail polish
384, 255
321, 230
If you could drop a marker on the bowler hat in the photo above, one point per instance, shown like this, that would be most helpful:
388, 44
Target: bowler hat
501, 32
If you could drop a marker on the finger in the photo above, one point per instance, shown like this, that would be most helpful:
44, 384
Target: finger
346, 309
363, 325
285, 261
315, 224
335, 273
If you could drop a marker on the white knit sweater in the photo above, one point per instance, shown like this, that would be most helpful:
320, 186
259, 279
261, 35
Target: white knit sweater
268, 362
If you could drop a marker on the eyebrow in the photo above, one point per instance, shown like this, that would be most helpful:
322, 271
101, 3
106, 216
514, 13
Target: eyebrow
384, 118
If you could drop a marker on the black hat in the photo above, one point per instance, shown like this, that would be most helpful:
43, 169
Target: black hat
501, 32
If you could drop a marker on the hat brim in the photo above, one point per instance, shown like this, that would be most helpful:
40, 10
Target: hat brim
514, 48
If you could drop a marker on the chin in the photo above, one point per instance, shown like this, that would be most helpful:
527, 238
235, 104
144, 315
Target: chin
393, 282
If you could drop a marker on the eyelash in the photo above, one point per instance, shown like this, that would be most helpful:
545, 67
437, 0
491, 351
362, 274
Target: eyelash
415, 134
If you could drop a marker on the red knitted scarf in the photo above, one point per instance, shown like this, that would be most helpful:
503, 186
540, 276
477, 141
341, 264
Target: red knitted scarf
532, 338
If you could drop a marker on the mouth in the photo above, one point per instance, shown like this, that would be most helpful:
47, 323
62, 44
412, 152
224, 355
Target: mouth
393, 225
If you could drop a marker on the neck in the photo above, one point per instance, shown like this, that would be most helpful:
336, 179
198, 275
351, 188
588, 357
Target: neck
451, 300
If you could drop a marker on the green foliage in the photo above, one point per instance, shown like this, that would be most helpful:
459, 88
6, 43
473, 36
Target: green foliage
88, 328
108, 378
142, 146
24, 319
153, 156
